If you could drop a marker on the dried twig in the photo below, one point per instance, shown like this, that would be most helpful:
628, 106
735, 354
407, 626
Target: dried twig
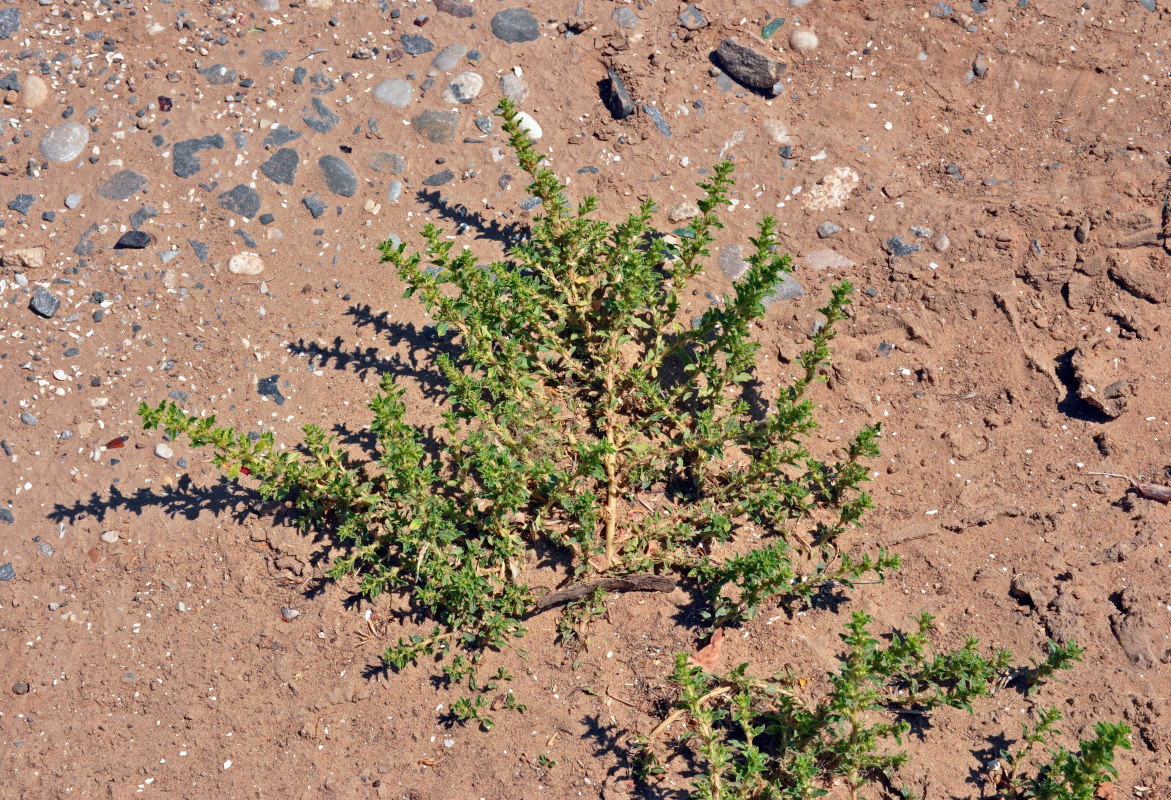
628, 583
1151, 491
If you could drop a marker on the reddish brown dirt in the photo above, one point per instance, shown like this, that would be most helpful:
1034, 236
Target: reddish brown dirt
1055, 279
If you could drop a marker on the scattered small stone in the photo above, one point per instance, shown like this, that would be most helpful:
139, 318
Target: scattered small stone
437, 126
683, 211
980, 65
416, 44
133, 240
64, 142
7, 573
245, 264
141, 216
514, 88
289, 614
315, 205
439, 178
449, 56
241, 199
455, 8
20, 687
26, 417
692, 19
464, 88
941, 243
942, 11
515, 25
828, 229
282, 166
748, 66
620, 102
803, 40
46, 304
110, 537
339, 178
273, 57
280, 136
163, 451
201, 250
22, 203
396, 92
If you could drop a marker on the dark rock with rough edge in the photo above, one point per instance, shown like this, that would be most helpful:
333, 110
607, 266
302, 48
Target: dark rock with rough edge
657, 118
339, 178
437, 126
322, 119
218, 74
439, 178
44, 303
22, 203
133, 240
241, 199
184, 158
619, 101
123, 185
692, 18
282, 166
416, 45
749, 66
9, 22
280, 136
201, 250
315, 205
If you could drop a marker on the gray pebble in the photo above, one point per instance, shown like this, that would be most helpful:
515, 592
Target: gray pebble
282, 166
787, 288
339, 178
515, 25
9, 22
394, 191
657, 118
692, 19
748, 66
941, 11
484, 124
449, 56
514, 88
64, 142
44, 303
898, 248
315, 205
625, 17
439, 178
163, 451
7, 572
133, 240
28, 419
280, 136
241, 199
22, 203
395, 92
828, 229
731, 262
218, 74
415, 45
184, 155
321, 119
437, 126
388, 162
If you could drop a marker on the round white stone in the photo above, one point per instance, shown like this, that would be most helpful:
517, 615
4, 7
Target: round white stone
803, 40
245, 264
529, 124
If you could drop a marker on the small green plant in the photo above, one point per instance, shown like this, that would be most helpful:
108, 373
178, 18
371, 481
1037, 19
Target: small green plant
577, 398
1066, 776
759, 738
1057, 657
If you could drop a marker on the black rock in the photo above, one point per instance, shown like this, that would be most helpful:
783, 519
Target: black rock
49, 215
515, 25
267, 387
339, 178
750, 67
241, 199
218, 74
439, 178
280, 136
44, 303
415, 45
898, 248
619, 101
22, 203
185, 162
282, 167
266, 219
9, 22
315, 205
322, 119
133, 240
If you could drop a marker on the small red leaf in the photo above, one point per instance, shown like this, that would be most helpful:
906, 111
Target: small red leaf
708, 656
114, 444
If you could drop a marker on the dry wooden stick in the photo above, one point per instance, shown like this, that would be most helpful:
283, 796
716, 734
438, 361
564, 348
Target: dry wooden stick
1151, 491
627, 583
679, 712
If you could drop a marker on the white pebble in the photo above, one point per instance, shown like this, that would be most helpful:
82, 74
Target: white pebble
245, 264
529, 124
163, 451
803, 40
109, 537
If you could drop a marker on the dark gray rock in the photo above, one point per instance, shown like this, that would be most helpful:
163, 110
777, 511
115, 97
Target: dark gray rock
282, 166
9, 22
515, 25
10, 82
321, 119
620, 103
625, 17
439, 178
787, 288
133, 240
484, 124
388, 162
281, 136
942, 11
455, 8
273, 57
218, 74
315, 205
828, 229
44, 303
85, 247
898, 248
750, 67
241, 199
437, 126
415, 44
657, 118
267, 387
7, 572
5, 514
137, 218
339, 178
184, 156
201, 250
22, 203
123, 185
692, 19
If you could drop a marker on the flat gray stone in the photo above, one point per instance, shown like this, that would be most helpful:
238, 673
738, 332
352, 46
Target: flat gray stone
828, 229
273, 57
388, 162
625, 17
123, 185
657, 118
731, 262
439, 178
22, 203
64, 142
692, 18
241, 199
515, 25
72, 201
394, 191
315, 205
787, 288
437, 126
141, 216
514, 88
9, 22
396, 92
750, 67
45, 303
282, 166
321, 119
218, 74
416, 45
339, 178
449, 56
280, 136
456, 9
184, 155
7, 571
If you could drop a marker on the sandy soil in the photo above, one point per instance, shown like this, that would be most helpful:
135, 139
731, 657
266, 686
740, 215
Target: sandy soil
1018, 151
